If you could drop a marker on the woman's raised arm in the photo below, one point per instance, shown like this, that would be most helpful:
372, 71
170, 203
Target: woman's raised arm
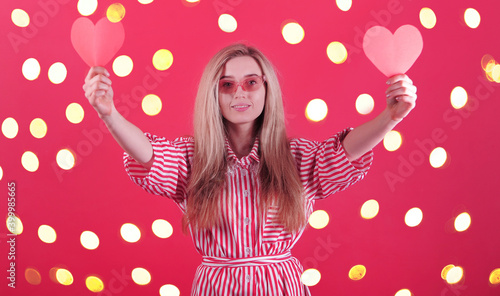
401, 95
99, 92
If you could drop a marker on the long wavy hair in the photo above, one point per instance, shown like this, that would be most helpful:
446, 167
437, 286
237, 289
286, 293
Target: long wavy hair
278, 175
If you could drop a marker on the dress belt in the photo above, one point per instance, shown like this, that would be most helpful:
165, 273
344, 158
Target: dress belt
248, 261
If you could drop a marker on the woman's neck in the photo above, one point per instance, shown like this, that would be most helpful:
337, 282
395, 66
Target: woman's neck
241, 139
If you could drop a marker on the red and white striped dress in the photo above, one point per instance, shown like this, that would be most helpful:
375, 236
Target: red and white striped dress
249, 254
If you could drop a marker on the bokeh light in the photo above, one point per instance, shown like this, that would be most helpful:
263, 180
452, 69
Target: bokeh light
336, 52
38, 128
47, 234
151, 105
14, 225
495, 277
369, 209
89, 240
169, 290
357, 272
472, 18
115, 12
1, 173
86, 7
141, 276
344, 5
316, 110
130, 232
32, 276
427, 18
403, 292
65, 159
454, 275
393, 140
162, 228
31, 69
20, 18
145, 1
94, 284
293, 33
74, 113
310, 277
495, 73
123, 66
462, 222
227, 23
438, 157
57, 73
445, 270
414, 217
163, 59
458, 97
30, 162
364, 104
319, 219
10, 128
64, 277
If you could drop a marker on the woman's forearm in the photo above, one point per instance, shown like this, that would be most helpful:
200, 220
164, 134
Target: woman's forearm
366, 136
130, 138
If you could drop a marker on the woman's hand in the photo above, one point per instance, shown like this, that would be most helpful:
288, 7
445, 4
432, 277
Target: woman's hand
98, 91
401, 96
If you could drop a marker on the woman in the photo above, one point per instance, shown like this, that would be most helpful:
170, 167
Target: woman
246, 191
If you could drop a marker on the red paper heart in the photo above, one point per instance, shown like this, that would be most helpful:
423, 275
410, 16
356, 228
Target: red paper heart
393, 54
98, 44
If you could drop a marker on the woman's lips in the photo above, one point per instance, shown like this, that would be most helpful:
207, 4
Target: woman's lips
241, 108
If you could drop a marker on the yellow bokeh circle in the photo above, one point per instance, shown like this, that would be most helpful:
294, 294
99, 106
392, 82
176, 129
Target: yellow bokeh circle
20, 18
94, 284
310, 277
30, 162
123, 66
336, 52
357, 272
10, 128
38, 128
151, 105
163, 59
293, 33
115, 12
316, 110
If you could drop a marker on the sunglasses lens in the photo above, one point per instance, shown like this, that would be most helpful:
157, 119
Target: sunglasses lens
227, 86
250, 84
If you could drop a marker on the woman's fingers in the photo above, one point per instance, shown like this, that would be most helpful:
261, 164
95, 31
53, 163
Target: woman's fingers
401, 85
96, 71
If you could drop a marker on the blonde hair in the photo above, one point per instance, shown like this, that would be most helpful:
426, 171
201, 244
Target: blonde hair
278, 175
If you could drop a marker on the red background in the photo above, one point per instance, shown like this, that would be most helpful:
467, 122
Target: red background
97, 195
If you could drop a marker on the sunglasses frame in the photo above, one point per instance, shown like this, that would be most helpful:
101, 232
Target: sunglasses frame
241, 83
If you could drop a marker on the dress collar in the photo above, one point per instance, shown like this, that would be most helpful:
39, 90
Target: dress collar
245, 160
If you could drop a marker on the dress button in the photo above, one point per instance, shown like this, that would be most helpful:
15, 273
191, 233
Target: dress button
247, 250
245, 192
246, 220
247, 278
243, 172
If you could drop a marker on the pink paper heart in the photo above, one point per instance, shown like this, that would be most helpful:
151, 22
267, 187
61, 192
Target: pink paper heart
98, 44
393, 54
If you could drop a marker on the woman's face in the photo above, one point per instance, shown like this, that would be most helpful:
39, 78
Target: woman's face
242, 93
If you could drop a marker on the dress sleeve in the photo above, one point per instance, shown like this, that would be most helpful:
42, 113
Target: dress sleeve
324, 168
170, 170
